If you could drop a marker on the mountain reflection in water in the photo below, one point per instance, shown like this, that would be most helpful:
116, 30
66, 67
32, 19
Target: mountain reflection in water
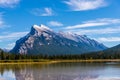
61, 71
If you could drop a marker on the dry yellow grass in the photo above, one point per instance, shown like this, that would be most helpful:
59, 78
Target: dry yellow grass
43, 61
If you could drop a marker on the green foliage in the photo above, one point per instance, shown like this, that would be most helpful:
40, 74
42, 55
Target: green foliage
100, 55
111, 53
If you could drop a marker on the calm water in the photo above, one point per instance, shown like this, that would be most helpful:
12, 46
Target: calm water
61, 71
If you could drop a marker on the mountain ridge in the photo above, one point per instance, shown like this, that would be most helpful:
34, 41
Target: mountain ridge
43, 40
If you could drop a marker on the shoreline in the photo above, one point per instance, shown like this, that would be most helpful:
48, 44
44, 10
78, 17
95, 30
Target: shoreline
54, 61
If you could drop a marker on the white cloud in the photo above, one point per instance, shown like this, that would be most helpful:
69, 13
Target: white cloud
54, 23
82, 5
109, 39
42, 12
10, 46
11, 36
94, 23
97, 31
9, 3
85, 25
2, 22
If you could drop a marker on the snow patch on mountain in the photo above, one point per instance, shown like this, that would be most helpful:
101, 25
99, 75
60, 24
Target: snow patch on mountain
41, 28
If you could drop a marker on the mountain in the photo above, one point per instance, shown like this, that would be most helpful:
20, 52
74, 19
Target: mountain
43, 40
110, 53
113, 50
6, 50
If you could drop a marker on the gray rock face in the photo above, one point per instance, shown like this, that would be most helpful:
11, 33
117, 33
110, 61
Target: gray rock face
43, 40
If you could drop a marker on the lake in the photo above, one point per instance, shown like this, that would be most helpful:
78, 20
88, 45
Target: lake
61, 71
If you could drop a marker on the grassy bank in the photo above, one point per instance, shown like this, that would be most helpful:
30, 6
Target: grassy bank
46, 61
26, 61
91, 60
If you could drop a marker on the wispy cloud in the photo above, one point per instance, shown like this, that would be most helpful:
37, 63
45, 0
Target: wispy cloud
94, 23
82, 5
54, 23
8, 3
11, 36
10, 46
96, 31
43, 12
109, 39
2, 22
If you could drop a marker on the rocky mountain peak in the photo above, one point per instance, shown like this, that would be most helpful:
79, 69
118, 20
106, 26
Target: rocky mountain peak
41, 28
43, 40
38, 30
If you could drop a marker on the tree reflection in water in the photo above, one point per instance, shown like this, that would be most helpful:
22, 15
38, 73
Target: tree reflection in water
59, 71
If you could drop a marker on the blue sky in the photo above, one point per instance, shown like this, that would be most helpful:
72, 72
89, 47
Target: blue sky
98, 19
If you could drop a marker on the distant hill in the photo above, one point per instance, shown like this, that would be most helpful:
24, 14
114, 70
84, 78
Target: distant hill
43, 40
1, 50
110, 53
113, 50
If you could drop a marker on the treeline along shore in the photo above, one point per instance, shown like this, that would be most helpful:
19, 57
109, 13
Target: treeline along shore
89, 57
